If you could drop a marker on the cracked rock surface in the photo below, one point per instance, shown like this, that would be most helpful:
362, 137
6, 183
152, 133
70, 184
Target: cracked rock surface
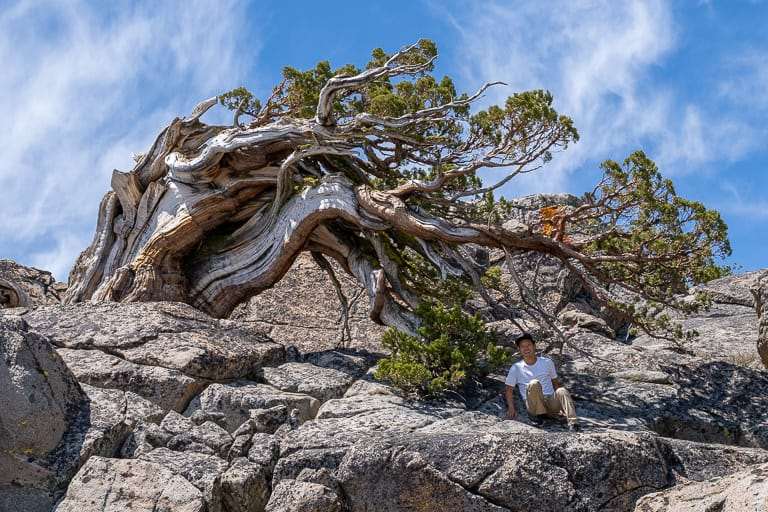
156, 406
745, 491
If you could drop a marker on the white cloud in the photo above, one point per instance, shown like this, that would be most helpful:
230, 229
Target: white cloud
81, 90
598, 58
738, 201
746, 82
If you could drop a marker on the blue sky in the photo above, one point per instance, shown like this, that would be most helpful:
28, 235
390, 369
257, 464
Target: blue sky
85, 86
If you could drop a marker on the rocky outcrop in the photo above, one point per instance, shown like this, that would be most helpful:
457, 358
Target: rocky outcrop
169, 388
22, 286
745, 491
165, 352
760, 295
169, 335
50, 424
40, 402
116, 485
214, 416
303, 309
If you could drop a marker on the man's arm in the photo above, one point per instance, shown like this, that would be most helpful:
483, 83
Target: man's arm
553, 374
510, 394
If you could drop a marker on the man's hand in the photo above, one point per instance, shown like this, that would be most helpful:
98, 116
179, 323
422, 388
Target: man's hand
511, 413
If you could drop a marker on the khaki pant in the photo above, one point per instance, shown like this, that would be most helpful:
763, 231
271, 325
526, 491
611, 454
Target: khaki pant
538, 403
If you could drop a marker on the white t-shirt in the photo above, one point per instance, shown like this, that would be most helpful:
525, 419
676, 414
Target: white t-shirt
542, 370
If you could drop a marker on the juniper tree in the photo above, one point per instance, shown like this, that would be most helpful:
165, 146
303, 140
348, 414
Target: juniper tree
378, 168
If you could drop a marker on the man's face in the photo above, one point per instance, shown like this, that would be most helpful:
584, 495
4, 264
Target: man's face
526, 348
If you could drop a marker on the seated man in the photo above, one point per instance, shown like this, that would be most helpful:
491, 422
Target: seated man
536, 378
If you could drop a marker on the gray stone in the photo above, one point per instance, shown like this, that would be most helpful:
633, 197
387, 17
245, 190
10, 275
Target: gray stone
22, 286
40, 402
352, 363
648, 376
578, 315
760, 293
321, 383
245, 487
269, 420
745, 491
208, 434
702, 461
117, 485
166, 334
114, 414
292, 464
235, 400
264, 450
734, 289
558, 472
49, 424
302, 309
201, 470
168, 388
297, 496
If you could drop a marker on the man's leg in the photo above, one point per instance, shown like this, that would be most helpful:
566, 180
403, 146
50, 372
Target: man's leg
566, 405
534, 398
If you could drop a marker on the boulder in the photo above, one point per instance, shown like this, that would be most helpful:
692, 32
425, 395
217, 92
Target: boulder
760, 294
170, 389
237, 399
690, 460
49, 424
240, 486
201, 470
116, 485
309, 379
113, 415
245, 487
41, 403
298, 496
745, 491
22, 286
165, 334
302, 309
496, 472
733, 289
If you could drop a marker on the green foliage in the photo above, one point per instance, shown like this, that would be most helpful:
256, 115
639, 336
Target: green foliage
421, 276
491, 279
678, 241
241, 98
451, 349
632, 231
523, 114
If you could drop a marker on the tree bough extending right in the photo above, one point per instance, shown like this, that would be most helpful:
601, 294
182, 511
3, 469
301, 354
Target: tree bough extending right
378, 168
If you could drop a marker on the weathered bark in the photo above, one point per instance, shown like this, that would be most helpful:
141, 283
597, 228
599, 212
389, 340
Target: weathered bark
207, 217
213, 215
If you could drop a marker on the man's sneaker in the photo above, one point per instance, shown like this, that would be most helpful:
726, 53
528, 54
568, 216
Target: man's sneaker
536, 419
574, 427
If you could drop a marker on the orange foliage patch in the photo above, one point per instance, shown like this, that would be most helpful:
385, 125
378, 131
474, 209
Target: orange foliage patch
549, 218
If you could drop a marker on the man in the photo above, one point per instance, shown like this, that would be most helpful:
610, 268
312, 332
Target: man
536, 378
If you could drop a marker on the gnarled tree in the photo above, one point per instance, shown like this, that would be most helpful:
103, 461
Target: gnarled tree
378, 168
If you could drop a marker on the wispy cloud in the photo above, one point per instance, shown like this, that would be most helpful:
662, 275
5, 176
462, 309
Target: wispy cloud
600, 59
736, 200
746, 82
81, 89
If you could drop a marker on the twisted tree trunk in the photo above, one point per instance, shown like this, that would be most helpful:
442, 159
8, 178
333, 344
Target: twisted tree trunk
213, 215
204, 229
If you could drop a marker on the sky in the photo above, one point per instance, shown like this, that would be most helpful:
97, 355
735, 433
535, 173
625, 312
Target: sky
86, 85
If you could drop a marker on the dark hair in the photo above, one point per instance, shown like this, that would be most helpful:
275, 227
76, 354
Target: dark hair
524, 336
